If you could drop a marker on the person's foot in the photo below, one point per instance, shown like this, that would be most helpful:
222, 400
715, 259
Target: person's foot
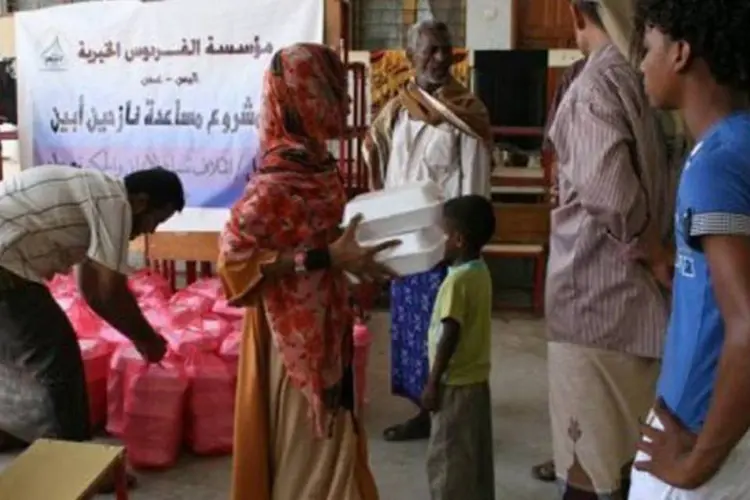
545, 472
414, 429
108, 485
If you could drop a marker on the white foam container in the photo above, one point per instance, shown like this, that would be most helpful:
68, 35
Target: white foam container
390, 212
419, 251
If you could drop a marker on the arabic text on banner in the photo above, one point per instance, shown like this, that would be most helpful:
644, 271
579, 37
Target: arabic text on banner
174, 84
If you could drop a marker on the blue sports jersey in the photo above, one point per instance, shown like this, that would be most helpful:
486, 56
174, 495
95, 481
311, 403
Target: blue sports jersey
713, 199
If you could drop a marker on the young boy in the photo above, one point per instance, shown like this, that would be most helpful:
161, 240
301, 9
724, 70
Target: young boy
460, 462
696, 444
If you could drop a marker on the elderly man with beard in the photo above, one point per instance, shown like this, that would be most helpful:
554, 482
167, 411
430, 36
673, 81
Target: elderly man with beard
437, 130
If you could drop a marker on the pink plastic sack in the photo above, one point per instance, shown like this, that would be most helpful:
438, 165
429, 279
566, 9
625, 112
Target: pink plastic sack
123, 364
222, 308
154, 414
208, 287
160, 317
111, 336
152, 302
86, 323
210, 424
66, 301
230, 350
199, 333
96, 356
148, 284
362, 343
62, 285
186, 304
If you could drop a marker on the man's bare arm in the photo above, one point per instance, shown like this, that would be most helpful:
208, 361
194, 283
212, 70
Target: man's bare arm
449, 338
107, 293
728, 419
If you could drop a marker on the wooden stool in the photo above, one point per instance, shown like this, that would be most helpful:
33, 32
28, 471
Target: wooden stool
62, 470
537, 254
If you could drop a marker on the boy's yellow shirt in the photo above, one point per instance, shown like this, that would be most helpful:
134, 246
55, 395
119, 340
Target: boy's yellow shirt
466, 297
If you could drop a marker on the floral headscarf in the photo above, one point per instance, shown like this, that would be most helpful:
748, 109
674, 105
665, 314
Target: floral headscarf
305, 100
294, 202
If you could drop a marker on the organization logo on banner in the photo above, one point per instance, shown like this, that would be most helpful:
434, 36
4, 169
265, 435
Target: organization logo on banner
53, 57
124, 93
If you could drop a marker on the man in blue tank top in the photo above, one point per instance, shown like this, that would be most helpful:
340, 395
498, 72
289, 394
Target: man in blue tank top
696, 443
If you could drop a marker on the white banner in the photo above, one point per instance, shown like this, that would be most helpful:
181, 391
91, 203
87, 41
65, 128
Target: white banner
124, 85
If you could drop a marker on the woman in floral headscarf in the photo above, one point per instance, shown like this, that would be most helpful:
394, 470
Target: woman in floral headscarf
296, 435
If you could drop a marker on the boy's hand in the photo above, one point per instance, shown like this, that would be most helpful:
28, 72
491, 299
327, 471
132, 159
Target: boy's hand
430, 398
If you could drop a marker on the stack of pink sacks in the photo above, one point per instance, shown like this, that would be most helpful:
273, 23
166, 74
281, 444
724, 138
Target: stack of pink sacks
189, 396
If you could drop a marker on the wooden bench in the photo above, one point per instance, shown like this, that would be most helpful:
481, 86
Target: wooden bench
163, 249
62, 470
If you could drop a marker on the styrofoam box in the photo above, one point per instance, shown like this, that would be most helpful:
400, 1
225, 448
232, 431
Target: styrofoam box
395, 211
418, 252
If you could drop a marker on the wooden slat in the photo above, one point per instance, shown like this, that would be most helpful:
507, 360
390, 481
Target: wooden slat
409, 12
523, 223
187, 246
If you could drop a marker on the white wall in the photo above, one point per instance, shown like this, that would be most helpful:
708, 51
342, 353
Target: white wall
488, 24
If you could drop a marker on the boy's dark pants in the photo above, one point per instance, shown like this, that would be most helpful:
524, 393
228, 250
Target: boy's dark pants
460, 456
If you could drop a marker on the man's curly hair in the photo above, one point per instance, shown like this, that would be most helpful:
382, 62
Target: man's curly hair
718, 32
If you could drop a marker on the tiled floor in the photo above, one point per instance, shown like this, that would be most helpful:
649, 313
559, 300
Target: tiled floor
520, 425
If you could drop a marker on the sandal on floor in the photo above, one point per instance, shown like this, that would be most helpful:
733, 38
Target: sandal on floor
411, 430
544, 472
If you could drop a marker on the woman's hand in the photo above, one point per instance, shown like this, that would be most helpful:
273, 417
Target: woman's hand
349, 256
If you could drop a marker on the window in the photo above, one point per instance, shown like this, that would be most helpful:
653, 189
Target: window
383, 24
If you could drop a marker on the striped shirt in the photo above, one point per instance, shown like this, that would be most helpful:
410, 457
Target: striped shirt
54, 217
614, 185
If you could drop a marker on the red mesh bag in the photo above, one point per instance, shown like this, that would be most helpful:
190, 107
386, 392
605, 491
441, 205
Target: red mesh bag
154, 414
96, 356
210, 424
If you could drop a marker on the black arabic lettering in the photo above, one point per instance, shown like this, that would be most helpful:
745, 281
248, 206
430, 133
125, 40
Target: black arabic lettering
254, 49
145, 53
109, 49
128, 114
214, 121
188, 47
69, 121
149, 118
